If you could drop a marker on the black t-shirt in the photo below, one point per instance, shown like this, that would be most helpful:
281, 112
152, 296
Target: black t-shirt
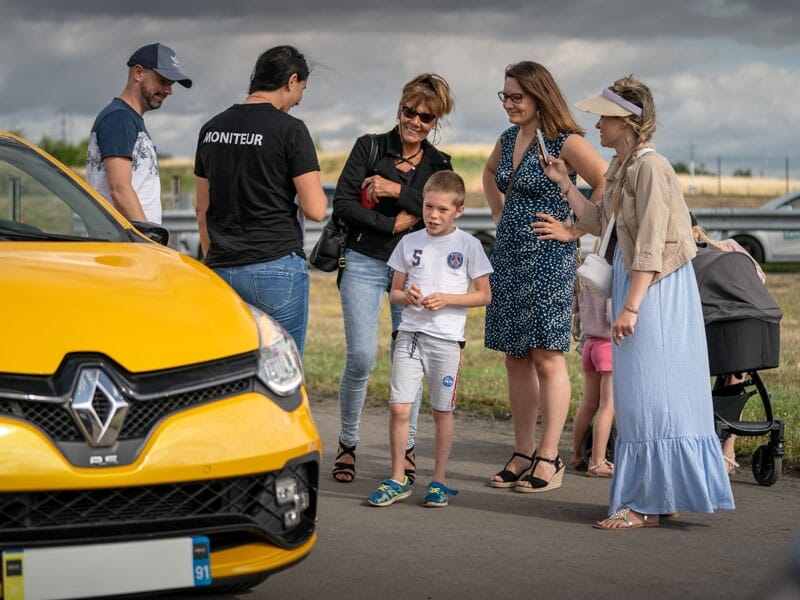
250, 153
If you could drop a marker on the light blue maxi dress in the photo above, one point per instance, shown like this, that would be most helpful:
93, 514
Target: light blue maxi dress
668, 456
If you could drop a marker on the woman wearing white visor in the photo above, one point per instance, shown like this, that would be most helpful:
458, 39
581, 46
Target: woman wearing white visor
667, 456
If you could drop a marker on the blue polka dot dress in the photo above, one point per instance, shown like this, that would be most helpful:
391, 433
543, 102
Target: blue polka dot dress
533, 280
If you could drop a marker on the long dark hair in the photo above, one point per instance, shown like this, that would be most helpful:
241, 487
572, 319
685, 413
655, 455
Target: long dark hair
275, 66
538, 83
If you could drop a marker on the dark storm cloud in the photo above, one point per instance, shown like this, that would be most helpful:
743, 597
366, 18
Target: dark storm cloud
709, 63
762, 22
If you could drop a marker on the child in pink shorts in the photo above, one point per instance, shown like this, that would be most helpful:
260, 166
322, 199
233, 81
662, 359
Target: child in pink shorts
597, 402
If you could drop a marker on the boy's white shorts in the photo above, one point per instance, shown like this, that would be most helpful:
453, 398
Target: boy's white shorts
418, 355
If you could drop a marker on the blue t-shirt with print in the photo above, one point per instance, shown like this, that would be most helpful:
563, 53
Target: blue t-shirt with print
120, 131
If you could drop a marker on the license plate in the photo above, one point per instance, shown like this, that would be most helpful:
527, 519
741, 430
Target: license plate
88, 571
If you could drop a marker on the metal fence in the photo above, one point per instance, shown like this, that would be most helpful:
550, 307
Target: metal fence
719, 222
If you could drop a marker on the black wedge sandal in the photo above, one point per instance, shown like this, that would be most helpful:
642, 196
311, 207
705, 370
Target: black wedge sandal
411, 473
344, 472
507, 476
537, 484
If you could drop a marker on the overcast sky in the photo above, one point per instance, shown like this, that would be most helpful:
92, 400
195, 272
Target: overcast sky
725, 73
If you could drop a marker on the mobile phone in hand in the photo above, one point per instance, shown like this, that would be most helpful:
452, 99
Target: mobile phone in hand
542, 147
366, 201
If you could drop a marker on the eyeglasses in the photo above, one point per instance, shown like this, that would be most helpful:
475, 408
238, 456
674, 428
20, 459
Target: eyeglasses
410, 113
515, 98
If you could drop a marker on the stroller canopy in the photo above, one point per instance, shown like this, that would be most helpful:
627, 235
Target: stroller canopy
730, 288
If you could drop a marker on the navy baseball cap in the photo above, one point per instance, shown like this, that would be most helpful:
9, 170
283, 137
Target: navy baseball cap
162, 60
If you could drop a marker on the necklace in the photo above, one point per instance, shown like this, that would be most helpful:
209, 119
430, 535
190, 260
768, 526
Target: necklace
408, 159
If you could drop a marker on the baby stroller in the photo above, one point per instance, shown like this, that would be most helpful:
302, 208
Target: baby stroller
742, 324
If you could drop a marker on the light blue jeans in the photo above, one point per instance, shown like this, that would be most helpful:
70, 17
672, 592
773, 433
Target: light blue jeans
364, 282
278, 287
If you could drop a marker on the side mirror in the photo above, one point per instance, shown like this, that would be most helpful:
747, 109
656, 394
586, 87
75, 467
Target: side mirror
153, 231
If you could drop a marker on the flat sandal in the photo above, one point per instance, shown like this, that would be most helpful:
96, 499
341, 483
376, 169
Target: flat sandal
623, 516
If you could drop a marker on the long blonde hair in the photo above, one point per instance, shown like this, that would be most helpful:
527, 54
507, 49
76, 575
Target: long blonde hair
644, 125
700, 235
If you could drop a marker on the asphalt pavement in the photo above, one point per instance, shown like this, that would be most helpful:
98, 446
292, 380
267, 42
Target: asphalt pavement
494, 543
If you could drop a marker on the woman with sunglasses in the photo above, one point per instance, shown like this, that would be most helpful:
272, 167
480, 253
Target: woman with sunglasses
534, 261
379, 197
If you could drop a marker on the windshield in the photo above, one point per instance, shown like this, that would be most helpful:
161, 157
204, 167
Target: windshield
38, 201
790, 201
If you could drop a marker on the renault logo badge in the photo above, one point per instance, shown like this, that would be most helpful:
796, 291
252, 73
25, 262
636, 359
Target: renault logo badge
98, 407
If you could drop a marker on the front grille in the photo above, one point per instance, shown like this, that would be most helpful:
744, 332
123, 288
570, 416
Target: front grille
57, 422
54, 419
245, 503
143, 415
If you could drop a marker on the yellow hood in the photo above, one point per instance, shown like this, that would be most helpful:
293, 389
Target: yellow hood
59, 298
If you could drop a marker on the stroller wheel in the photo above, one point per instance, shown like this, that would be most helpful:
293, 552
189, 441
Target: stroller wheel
766, 466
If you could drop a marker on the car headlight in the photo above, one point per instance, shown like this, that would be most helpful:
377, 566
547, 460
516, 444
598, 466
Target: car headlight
279, 364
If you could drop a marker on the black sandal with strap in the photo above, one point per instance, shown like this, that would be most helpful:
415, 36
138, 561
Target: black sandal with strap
507, 476
537, 484
412, 472
344, 472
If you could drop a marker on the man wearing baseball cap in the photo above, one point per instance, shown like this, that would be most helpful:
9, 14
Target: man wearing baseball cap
121, 162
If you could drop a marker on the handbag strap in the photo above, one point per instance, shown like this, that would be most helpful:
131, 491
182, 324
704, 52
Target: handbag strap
372, 161
607, 235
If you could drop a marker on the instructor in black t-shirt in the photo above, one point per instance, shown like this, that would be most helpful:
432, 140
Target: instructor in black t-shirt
251, 161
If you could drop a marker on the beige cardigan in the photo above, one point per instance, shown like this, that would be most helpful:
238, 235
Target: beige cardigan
654, 230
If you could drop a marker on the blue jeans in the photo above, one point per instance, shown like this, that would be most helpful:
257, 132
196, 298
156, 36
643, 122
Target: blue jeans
364, 282
278, 287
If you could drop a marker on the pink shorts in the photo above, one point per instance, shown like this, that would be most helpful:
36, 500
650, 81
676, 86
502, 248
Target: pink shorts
596, 355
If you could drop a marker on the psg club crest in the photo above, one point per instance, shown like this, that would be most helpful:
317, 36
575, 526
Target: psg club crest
455, 260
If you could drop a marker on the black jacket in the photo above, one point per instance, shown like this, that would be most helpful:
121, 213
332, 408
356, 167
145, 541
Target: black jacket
370, 231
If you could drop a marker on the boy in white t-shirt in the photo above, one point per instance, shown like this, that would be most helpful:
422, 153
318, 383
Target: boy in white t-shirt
440, 271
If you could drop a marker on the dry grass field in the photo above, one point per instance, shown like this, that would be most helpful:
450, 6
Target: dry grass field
482, 385
701, 191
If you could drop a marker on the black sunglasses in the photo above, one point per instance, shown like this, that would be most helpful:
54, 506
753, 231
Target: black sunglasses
410, 113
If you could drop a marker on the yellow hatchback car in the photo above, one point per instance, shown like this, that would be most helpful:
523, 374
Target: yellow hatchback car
155, 432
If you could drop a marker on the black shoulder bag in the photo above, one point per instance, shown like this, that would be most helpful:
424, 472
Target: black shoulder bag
328, 253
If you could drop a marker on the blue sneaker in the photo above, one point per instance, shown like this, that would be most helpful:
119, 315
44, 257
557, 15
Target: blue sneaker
390, 492
437, 495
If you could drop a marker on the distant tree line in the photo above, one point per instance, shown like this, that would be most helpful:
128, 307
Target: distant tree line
682, 169
69, 153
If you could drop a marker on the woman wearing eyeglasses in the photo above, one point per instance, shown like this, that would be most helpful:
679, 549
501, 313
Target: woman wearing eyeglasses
379, 197
534, 268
